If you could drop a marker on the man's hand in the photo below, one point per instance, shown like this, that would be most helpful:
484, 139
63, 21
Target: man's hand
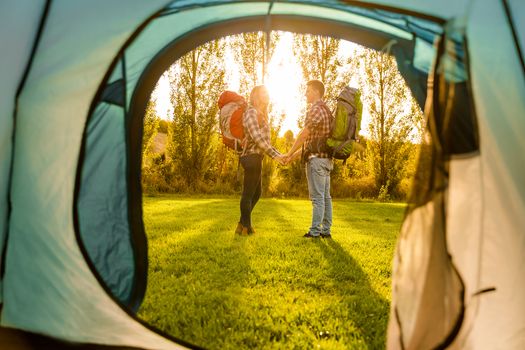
281, 159
291, 157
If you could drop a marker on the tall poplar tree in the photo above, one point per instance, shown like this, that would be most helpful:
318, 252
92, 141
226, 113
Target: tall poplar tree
196, 80
390, 106
151, 124
319, 58
251, 53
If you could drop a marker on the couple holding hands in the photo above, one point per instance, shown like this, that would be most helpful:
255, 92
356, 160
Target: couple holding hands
319, 164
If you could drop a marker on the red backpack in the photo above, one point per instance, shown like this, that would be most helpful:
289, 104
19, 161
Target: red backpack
232, 107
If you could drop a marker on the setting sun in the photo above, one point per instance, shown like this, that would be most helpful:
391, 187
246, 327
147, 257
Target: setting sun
284, 80
284, 84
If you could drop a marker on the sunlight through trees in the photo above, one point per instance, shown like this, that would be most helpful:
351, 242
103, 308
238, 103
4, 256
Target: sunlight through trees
192, 156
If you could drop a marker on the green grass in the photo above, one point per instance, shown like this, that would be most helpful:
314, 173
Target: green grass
275, 289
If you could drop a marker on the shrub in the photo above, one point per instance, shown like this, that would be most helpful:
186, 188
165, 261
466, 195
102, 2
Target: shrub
404, 188
383, 195
359, 188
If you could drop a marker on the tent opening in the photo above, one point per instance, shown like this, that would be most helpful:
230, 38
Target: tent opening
123, 107
195, 255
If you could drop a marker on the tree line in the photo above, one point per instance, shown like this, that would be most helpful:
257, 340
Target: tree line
195, 161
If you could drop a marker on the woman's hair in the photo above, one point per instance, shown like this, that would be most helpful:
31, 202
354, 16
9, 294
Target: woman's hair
256, 91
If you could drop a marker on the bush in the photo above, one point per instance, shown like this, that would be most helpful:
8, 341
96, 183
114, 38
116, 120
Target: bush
157, 176
218, 188
360, 188
404, 188
383, 195
284, 188
154, 182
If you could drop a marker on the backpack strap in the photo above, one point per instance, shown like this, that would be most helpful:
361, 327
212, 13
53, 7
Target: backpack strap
341, 146
332, 122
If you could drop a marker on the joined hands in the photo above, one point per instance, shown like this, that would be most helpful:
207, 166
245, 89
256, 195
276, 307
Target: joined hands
282, 159
285, 159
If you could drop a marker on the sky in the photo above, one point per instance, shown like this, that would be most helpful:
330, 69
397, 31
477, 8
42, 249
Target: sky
283, 81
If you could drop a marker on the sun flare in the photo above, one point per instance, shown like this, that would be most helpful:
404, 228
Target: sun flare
284, 84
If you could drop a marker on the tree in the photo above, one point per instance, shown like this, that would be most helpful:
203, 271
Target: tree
196, 80
292, 178
251, 54
155, 173
390, 106
151, 124
319, 58
163, 126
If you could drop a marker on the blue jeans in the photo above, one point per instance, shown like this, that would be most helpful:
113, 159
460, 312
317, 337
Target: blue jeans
318, 176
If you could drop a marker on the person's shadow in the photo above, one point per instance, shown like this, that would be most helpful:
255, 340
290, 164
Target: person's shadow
208, 271
367, 310
363, 308
195, 278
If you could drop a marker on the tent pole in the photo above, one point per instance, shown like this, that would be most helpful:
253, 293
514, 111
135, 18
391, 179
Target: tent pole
268, 33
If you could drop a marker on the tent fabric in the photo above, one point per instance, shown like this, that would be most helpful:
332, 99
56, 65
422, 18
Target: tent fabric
64, 300
425, 278
445, 10
468, 231
498, 89
115, 93
517, 20
102, 216
485, 204
15, 56
102, 203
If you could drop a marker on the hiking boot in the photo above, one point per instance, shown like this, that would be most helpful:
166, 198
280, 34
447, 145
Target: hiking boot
244, 231
238, 230
309, 235
251, 230
326, 235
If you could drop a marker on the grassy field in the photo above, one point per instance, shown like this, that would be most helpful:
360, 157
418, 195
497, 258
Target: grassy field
275, 289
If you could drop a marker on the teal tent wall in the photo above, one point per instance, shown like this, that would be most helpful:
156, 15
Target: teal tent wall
15, 57
48, 286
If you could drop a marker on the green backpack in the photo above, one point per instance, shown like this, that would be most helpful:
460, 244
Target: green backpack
346, 124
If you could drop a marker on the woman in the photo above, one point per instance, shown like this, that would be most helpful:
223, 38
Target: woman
256, 144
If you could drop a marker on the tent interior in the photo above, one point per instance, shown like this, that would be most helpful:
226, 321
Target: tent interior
71, 223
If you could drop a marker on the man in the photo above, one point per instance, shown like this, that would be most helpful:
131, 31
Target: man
317, 127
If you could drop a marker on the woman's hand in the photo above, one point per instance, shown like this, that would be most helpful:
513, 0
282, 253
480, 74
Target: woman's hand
281, 160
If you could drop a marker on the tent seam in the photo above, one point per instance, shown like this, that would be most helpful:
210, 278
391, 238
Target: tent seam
38, 36
510, 21
78, 180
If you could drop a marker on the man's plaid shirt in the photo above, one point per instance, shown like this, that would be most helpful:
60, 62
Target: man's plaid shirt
256, 137
319, 122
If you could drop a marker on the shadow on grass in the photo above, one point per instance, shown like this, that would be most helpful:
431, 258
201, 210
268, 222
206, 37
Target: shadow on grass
197, 273
359, 306
271, 290
365, 218
367, 310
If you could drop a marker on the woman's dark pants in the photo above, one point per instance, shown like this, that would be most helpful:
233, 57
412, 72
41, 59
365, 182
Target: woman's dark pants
251, 191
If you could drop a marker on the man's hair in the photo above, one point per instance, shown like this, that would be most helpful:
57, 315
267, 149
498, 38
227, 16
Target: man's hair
317, 85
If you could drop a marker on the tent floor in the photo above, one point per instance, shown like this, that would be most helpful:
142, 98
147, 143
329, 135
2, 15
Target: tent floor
14, 339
